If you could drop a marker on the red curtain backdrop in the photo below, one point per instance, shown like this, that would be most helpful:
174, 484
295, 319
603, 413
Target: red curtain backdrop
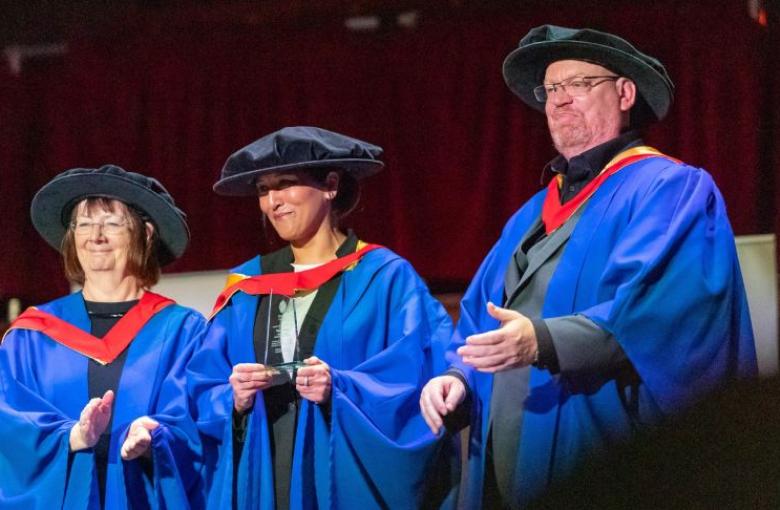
174, 99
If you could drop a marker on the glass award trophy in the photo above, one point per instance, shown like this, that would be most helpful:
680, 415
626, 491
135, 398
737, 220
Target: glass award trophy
283, 371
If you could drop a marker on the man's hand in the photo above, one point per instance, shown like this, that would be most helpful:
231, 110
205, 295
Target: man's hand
92, 422
439, 397
510, 346
247, 379
139, 438
313, 380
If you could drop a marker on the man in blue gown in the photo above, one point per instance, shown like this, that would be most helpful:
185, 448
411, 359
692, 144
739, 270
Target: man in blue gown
621, 299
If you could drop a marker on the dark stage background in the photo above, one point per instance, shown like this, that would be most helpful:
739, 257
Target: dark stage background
172, 91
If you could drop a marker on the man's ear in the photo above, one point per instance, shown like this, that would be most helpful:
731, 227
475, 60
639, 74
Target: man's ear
627, 93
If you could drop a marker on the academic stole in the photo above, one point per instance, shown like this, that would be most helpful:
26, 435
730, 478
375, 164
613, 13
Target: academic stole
103, 350
555, 214
287, 284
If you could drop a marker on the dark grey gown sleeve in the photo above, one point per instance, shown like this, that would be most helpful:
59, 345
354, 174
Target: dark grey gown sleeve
574, 345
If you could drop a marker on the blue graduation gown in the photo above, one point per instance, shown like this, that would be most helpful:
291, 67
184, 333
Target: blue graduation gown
652, 261
43, 388
383, 336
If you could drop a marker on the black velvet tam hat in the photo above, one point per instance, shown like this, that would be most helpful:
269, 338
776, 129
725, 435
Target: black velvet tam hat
524, 68
52, 206
293, 148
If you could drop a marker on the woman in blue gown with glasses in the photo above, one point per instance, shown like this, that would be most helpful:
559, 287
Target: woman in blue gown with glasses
93, 404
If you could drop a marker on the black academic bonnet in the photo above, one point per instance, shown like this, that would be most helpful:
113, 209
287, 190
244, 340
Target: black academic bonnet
524, 68
292, 148
52, 206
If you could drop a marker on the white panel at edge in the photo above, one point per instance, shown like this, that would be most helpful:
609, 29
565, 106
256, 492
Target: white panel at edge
759, 270
196, 290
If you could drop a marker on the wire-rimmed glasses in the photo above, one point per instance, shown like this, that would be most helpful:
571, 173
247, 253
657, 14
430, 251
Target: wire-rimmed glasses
111, 226
575, 86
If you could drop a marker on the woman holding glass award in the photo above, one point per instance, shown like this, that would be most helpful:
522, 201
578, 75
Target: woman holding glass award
308, 381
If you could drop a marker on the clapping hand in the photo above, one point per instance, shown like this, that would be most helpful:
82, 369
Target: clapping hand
440, 397
512, 345
139, 438
92, 422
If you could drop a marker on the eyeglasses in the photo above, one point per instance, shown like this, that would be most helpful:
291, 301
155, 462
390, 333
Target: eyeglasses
576, 86
109, 226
